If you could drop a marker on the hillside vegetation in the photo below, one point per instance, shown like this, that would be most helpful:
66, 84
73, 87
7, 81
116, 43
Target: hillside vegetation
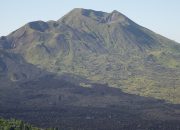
13, 124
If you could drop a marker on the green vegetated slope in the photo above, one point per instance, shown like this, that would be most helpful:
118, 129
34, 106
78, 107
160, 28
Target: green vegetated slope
104, 48
13, 124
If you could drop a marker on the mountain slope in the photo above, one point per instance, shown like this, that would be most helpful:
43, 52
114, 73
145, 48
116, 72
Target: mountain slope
90, 70
104, 48
52, 101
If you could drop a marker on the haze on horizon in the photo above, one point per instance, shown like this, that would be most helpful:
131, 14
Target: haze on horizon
160, 16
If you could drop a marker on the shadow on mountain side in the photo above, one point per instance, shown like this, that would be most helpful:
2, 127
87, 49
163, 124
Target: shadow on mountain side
52, 101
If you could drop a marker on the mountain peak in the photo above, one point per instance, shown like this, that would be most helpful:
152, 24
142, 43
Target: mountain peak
115, 11
76, 11
87, 12
116, 16
80, 13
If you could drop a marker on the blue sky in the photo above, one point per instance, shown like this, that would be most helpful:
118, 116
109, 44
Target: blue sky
161, 16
